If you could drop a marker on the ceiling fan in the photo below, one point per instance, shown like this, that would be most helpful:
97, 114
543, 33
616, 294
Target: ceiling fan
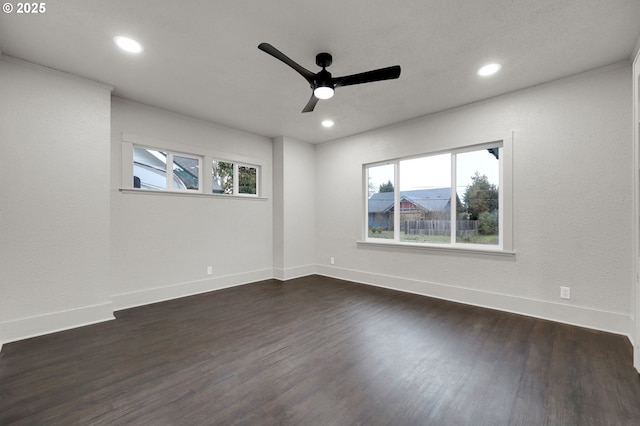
322, 84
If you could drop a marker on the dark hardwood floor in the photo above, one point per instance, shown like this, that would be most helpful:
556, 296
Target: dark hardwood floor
319, 351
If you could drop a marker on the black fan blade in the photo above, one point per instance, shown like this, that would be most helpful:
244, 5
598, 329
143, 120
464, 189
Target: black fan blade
311, 104
266, 47
368, 77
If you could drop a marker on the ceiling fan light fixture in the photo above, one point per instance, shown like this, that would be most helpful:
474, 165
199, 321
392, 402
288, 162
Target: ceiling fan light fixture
323, 92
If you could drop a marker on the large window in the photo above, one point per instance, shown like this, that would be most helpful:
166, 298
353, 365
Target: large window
445, 199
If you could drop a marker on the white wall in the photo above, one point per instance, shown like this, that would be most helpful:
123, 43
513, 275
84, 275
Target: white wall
294, 208
635, 300
71, 245
54, 201
572, 209
161, 245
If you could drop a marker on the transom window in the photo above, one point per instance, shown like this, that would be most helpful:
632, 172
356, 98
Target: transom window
164, 170
234, 179
452, 199
148, 168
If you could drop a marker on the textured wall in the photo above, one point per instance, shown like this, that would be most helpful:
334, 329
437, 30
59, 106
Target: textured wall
294, 208
69, 246
162, 244
635, 300
54, 202
572, 202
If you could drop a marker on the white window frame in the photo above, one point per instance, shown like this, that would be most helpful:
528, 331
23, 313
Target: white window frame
236, 177
169, 168
204, 169
234, 173
170, 155
505, 243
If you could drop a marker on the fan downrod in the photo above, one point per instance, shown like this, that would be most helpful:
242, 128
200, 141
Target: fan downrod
323, 59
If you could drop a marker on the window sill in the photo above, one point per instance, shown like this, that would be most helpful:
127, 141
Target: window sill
438, 248
189, 194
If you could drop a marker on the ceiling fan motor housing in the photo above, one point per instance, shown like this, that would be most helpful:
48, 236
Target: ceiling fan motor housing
323, 59
323, 79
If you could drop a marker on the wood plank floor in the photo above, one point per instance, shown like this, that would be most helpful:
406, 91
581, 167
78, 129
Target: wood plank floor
319, 351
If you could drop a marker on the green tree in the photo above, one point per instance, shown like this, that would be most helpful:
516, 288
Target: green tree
246, 180
488, 223
480, 197
223, 178
386, 187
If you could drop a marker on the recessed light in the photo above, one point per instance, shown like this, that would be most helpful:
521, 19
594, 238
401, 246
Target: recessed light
128, 44
327, 123
489, 69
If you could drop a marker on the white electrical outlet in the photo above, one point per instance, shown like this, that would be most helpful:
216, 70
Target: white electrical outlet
209, 270
565, 293
333, 260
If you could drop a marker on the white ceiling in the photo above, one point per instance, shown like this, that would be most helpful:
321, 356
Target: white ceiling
201, 57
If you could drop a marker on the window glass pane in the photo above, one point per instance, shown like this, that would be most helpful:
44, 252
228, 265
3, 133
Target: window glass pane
185, 172
477, 181
149, 168
380, 181
222, 174
247, 180
425, 199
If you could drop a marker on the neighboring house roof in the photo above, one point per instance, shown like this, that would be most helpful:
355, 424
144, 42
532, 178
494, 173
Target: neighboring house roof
433, 200
381, 202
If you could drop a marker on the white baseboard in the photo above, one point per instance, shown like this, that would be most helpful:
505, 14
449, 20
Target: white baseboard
175, 291
25, 328
574, 315
284, 274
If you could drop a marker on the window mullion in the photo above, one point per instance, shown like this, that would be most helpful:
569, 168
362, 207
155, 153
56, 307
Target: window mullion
169, 166
501, 207
200, 174
365, 201
396, 201
258, 179
236, 186
453, 216
207, 183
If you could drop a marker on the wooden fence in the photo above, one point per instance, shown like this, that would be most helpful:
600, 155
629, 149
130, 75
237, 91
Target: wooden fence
438, 227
